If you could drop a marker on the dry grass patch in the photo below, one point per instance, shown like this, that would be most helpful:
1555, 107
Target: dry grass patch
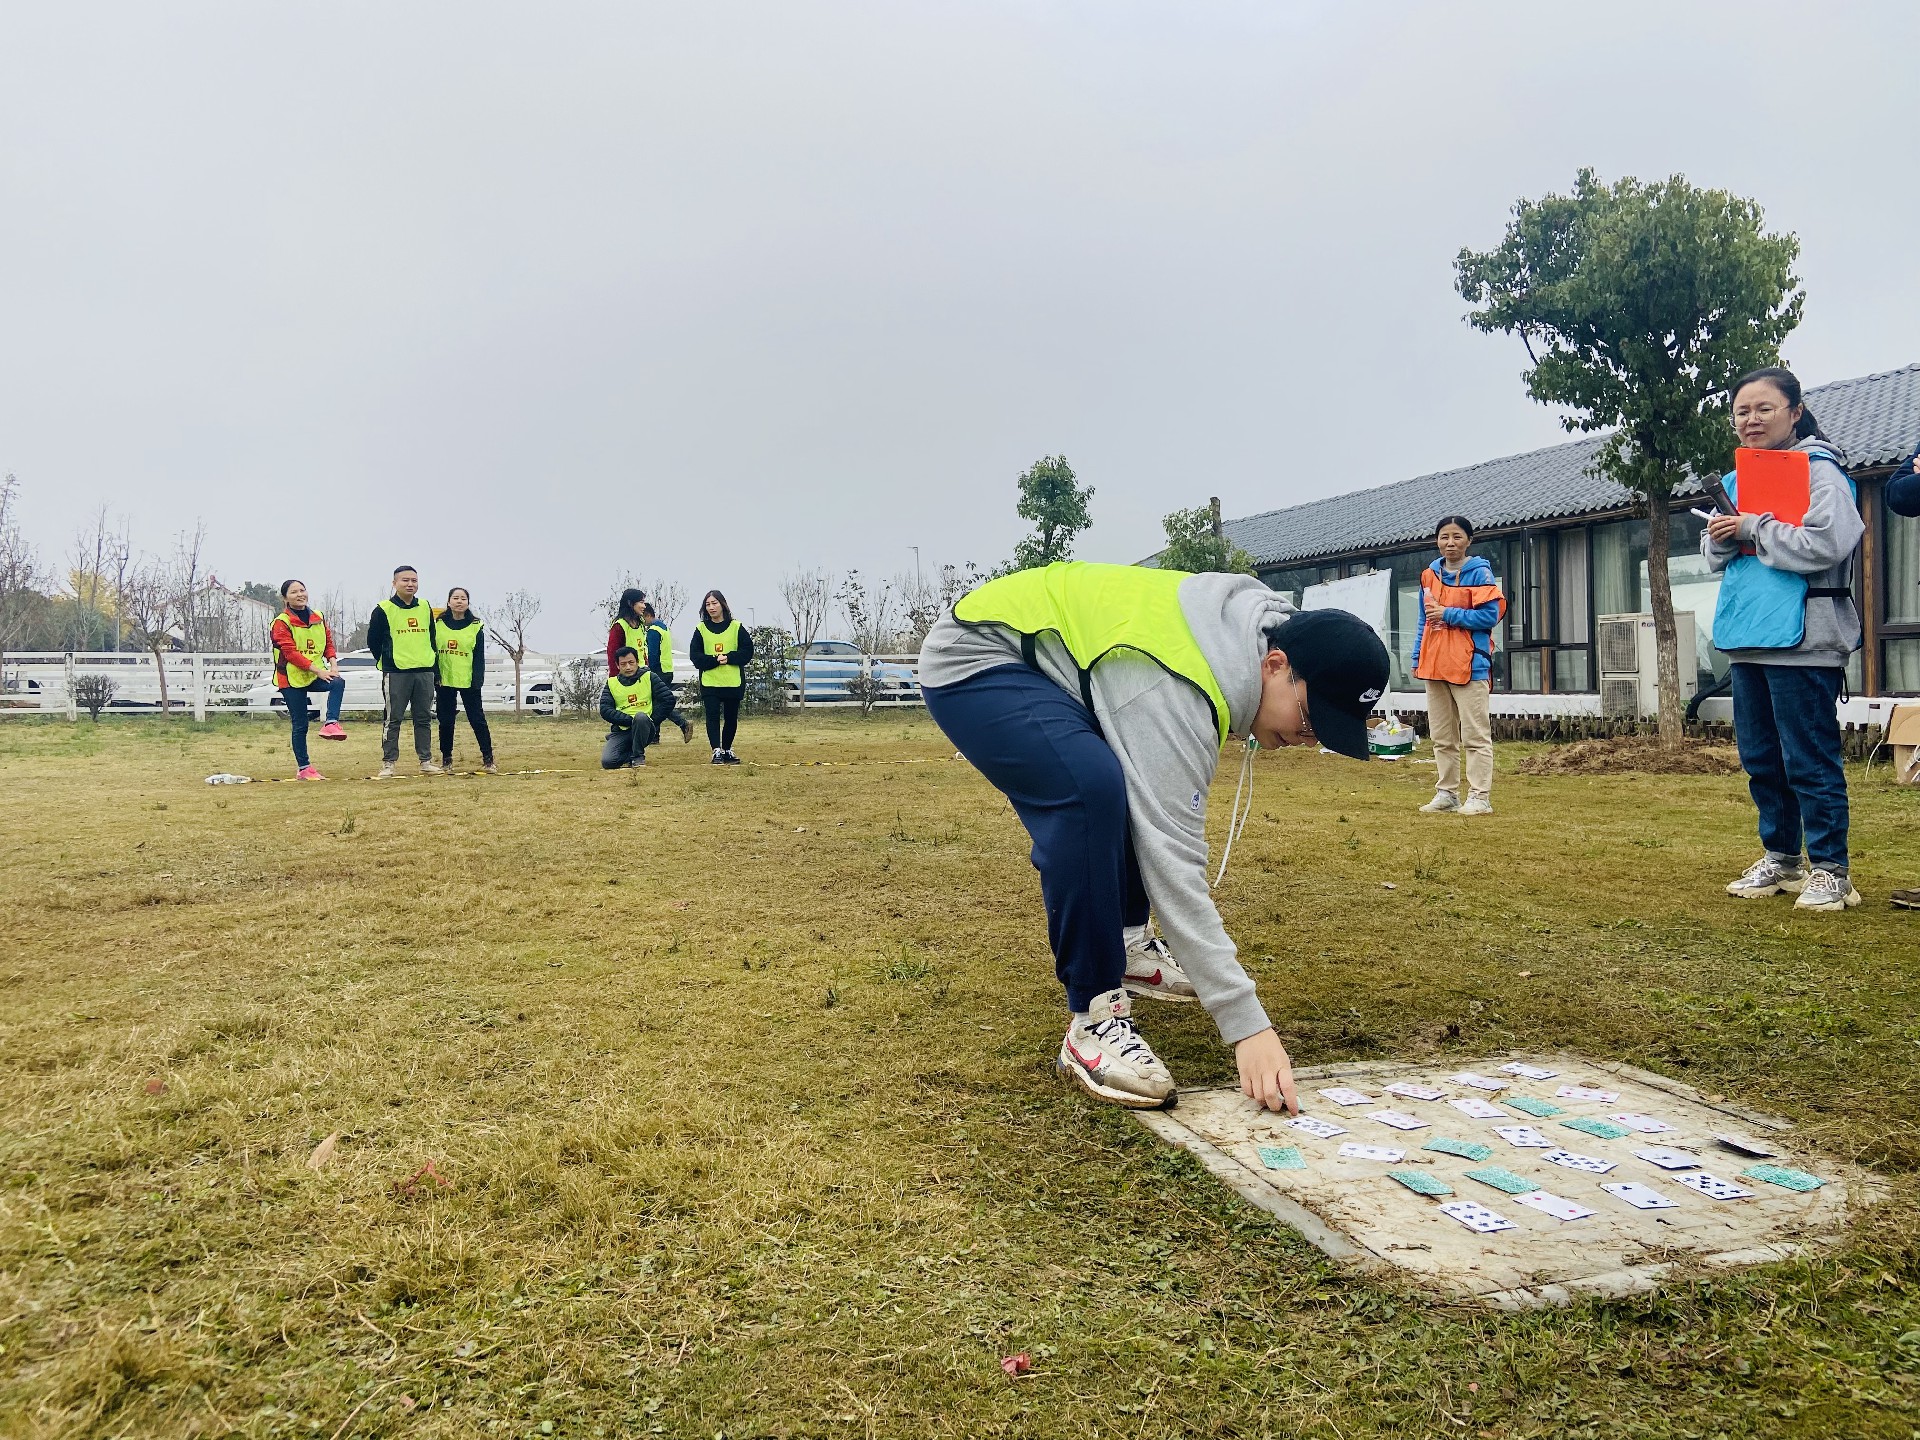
739, 1084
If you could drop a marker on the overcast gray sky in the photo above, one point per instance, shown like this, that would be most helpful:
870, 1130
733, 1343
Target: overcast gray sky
526, 294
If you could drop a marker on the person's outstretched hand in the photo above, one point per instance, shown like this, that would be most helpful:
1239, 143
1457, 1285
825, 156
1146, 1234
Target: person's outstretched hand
1266, 1074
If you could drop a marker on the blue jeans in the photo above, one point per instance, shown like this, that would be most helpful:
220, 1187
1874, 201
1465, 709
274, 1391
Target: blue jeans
1040, 747
334, 689
1789, 734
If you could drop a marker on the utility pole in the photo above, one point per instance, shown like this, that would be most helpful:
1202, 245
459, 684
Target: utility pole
1213, 504
916, 561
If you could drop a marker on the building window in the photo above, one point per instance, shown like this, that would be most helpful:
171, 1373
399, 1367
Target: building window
1570, 670
1523, 671
1620, 585
1903, 666
1570, 588
1903, 570
1291, 582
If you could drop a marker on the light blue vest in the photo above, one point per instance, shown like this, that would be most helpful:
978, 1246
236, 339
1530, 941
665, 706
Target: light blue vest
1761, 608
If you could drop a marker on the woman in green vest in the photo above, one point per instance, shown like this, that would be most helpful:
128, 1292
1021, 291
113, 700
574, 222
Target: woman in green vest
303, 662
629, 626
1097, 699
460, 642
720, 649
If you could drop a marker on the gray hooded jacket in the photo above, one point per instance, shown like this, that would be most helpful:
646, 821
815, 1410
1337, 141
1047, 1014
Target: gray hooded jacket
1820, 549
1162, 730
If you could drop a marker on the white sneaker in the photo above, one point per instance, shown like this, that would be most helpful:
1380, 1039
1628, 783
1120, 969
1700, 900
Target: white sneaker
1478, 802
1768, 876
1443, 802
1151, 970
386, 773
1825, 890
1106, 1056
432, 767
490, 768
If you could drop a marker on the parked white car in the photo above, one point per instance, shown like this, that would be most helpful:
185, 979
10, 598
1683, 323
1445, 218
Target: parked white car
363, 688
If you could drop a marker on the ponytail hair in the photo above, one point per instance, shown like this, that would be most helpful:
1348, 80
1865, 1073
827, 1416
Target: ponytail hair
1788, 384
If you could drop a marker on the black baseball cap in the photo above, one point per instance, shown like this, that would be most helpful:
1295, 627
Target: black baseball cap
1346, 670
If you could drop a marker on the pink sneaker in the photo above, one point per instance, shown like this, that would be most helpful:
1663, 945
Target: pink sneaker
333, 730
307, 772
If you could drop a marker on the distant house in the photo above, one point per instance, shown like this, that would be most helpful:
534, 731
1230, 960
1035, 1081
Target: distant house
1567, 548
224, 620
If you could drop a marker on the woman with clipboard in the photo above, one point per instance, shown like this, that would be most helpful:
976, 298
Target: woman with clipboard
1786, 620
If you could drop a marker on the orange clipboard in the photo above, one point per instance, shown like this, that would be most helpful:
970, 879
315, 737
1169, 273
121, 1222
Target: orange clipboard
1774, 482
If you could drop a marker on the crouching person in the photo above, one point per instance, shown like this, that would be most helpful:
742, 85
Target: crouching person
629, 703
1097, 699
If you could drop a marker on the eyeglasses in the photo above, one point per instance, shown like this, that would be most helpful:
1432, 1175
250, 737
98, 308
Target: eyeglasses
1306, 724
1758, 412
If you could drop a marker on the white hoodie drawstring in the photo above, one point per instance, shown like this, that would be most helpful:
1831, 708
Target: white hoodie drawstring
1236, 817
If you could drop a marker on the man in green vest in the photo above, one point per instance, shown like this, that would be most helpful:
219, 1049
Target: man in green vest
400, 634
1097, 699
633, 702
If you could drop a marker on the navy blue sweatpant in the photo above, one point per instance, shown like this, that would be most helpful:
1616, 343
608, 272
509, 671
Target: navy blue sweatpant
1040, 747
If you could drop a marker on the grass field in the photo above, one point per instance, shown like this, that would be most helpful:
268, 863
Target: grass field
739, 1082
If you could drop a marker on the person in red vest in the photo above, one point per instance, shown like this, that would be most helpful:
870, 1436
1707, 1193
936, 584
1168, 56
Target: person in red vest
1453, 653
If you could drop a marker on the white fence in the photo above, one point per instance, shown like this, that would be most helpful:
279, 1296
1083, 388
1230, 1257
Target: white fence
48, 683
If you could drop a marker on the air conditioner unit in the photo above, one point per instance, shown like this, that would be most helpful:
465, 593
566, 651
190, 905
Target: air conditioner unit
1629, 663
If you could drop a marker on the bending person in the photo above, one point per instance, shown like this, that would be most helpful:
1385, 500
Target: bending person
460, 642
1786, 620
629, 627
629, 701
1453, 653
1097, 699
303, 661
400, 635
720, 649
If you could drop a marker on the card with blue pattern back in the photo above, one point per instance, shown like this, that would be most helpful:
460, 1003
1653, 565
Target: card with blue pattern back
1784, 1176
1604, 1129
1465, 1149
1501, 1179
1527, 1105
1420, 1183
1282, 1157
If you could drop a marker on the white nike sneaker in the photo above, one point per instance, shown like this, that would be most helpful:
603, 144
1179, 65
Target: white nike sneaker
1151, 970
1105, 1055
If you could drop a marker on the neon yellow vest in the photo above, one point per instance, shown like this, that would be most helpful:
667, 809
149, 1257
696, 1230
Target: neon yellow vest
666, 649
1097, 609
455, 648
632, 697
311, 641
722, 677
411, 632
634, 635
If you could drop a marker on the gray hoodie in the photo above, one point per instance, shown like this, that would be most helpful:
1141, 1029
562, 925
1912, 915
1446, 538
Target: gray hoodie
1162, 730
1820, 549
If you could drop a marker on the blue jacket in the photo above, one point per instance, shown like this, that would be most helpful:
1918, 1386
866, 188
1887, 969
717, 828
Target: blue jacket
1479, 619
1903, 488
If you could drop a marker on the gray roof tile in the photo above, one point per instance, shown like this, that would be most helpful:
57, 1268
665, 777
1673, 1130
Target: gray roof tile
1875, 419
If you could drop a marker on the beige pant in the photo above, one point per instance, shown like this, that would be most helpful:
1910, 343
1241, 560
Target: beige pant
1458, 719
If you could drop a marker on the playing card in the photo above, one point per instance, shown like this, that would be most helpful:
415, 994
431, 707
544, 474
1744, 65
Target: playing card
1713, 1187
1641, 1197
1501, 1179
1527, 1072
1554, 1205
1352, 1151
1645, 1124
1747, 1145
1412, 1091
1477, 1218
1322, 1129
1525, 1136
1465, 1149
1282, 1157
1669, 1159
1599, 1129
1420, 1182
1398, 1120
1783, 1176
1527, 1105
1475, 1108
1341, 1095
1573, 1160
1479, 1082
1582, 1092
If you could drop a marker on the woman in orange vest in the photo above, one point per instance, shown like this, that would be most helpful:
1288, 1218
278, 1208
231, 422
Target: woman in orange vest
1453, 653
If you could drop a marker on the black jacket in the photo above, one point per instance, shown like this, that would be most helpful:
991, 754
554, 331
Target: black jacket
1903, 488
703, 634
447, 622
380, 639
662, 703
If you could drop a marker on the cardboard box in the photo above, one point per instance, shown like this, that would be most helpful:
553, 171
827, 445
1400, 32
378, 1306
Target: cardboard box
1903, 736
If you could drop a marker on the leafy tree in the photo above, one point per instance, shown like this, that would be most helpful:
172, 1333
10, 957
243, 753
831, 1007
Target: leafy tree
768, 673
259, 590
1058, 509
1195, 544
1639, 306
